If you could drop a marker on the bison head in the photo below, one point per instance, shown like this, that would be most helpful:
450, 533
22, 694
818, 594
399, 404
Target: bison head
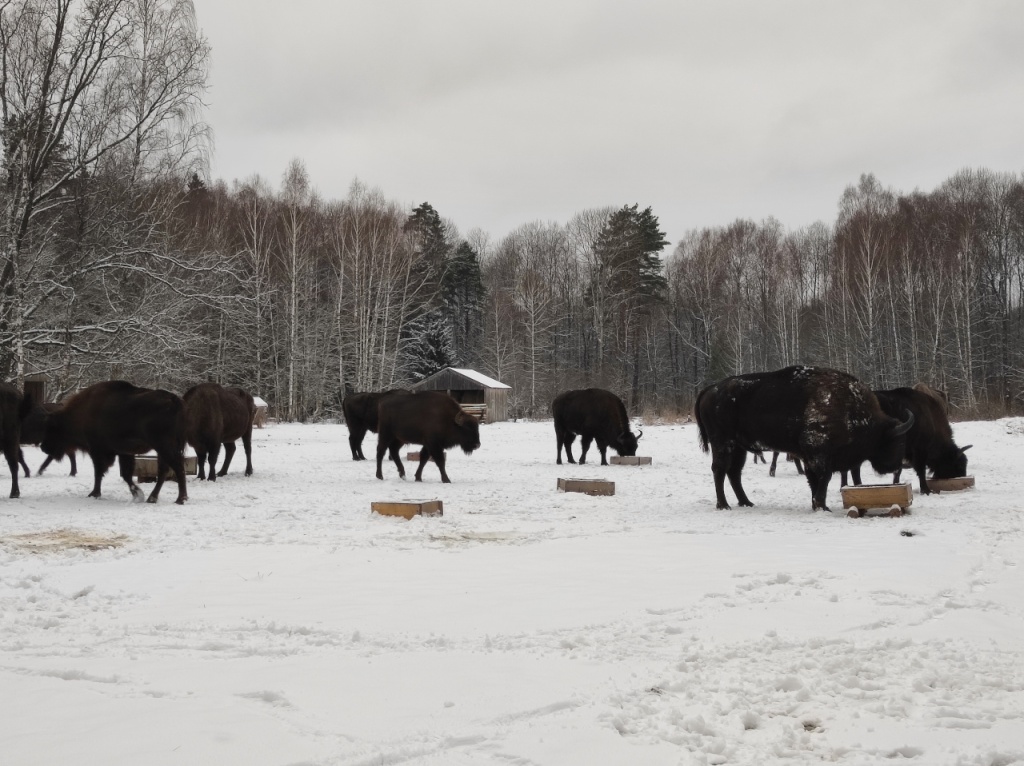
626, 442
468, 432
951, 462
892, 445
54, 441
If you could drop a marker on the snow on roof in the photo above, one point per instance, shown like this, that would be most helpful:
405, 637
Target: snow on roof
259, 402
480, 378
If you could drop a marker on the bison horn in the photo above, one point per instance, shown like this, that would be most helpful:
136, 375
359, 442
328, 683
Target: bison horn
905, 426
640, 433
964, 449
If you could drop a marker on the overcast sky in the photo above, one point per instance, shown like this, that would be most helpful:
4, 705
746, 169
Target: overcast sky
504, 113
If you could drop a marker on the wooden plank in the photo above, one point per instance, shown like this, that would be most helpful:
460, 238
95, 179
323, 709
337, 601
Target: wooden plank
408, 508
415, 456
885, 496
629, 460
145, 467
951, 485
587, 486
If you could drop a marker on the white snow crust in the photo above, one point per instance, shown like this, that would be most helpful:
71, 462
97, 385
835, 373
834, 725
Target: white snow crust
275, 620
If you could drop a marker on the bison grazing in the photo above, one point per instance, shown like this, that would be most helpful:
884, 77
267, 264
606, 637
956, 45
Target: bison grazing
429, 418
595, 415
361, 416
115, 419
930, 440
14, 408
828, 418
32, 430
215, 415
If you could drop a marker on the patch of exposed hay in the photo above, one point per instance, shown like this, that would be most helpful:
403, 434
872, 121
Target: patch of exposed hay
63, 540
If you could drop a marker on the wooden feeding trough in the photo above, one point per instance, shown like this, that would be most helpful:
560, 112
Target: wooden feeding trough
415, 456
895, 498
629, 460
951, 485
145, 468
587, 486
408, 508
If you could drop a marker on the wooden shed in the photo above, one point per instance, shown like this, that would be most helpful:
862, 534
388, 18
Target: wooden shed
477, 393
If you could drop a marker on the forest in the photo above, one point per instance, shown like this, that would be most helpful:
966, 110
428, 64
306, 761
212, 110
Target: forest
121, 258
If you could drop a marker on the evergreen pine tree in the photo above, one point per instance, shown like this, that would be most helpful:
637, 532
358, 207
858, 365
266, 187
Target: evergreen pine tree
428, 345
461, 295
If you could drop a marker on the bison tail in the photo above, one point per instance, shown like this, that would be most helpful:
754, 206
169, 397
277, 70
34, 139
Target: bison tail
700, 423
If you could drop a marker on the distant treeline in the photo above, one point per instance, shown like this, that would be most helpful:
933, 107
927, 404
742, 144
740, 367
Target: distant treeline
120, 260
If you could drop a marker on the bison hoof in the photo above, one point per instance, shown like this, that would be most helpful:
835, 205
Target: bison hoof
723, 506
380, 477
15, 493
180, 501
745, 504
94, 493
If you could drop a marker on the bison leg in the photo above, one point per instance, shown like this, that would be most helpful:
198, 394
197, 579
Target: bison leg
565, 438
425, 455
200, 464
818, 480
392, 450
21, 459
49, 459
719, 462
799, 465
126, 466
584, 446
176, 462
759, 456
212, 456
775, 462
355, 441
603, 449
101, 462
229, 452
11, 453
247, 446
920, 468
739, 459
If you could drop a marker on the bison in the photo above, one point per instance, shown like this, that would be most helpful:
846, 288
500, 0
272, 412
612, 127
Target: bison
595, 415
215, 415
929, 442
14, 408
116, 419
827, 418
361, 416
428, 418
32, 430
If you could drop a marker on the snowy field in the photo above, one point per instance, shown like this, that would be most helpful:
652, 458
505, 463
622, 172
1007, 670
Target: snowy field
275, 620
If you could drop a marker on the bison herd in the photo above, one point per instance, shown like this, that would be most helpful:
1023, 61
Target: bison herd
824, 419
116, 420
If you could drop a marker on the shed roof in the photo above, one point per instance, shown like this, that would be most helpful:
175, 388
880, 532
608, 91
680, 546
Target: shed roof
471, 376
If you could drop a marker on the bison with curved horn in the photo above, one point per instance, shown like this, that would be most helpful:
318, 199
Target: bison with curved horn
827, 418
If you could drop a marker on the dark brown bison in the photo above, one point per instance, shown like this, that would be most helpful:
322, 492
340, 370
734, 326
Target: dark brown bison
594, 415
929, 442
429, 418
14, 408
828, 418
361, 416
215, 415
32, 430
116, 419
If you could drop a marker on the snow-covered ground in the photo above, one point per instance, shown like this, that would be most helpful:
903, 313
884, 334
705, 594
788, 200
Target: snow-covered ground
275, 620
